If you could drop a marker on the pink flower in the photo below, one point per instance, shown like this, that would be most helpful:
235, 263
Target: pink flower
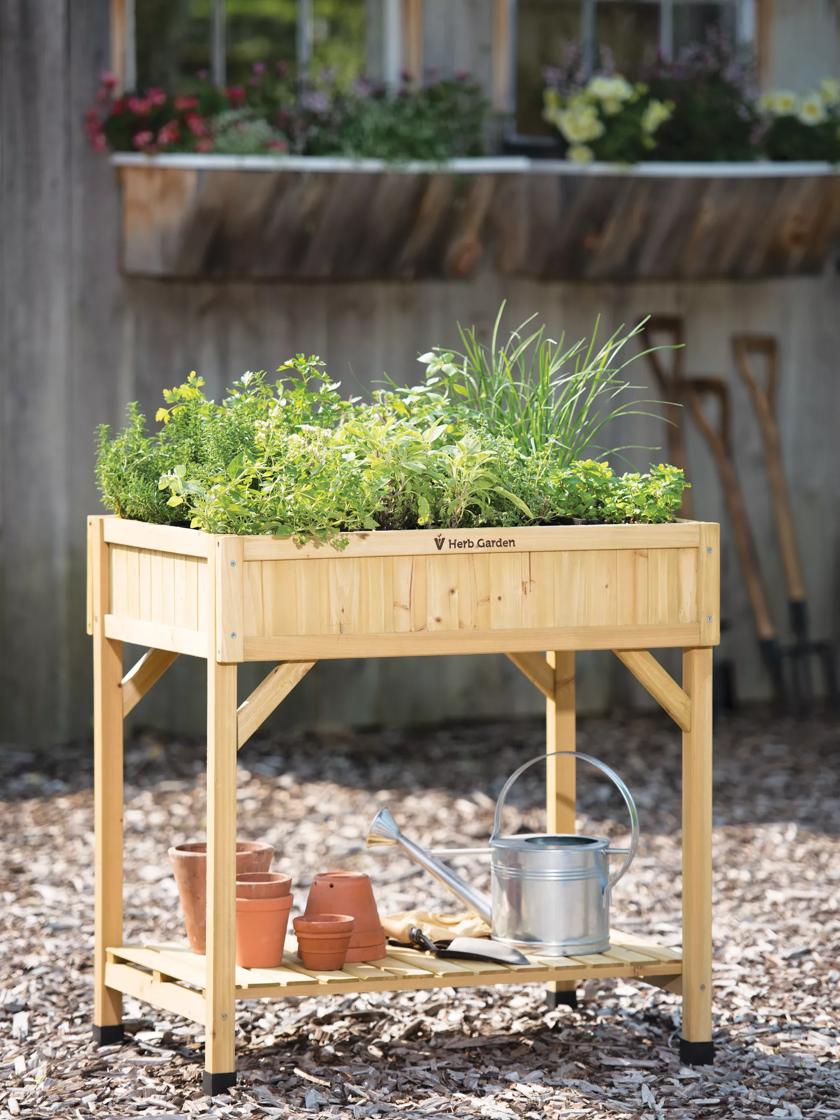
169, 134
182, 104
258, 68
205, 145
236, 95
143, 140
197, 125
108, 80
139, 105
278, 146
156, 97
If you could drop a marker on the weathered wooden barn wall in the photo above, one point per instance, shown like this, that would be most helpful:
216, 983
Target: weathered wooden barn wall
78, 342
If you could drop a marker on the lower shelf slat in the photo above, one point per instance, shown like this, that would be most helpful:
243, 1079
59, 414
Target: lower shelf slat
173, 978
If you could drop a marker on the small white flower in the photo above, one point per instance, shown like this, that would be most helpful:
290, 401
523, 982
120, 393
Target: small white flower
580, 153
830, 91
780, 102
812, 110
656, 113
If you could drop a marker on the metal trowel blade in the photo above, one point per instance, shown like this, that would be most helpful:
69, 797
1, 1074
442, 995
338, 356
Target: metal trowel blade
482, 949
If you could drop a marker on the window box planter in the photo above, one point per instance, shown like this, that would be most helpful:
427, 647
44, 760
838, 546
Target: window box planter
314, 218
523, 591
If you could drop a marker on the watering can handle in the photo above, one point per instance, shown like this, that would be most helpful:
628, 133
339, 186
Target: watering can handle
614, 778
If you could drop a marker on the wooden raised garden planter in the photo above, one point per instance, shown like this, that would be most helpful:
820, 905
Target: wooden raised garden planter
535, 594
324, 218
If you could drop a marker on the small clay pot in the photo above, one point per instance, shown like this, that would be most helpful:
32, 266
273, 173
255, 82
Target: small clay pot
323, 941
189, 863
262, 884
350, 892
261, 925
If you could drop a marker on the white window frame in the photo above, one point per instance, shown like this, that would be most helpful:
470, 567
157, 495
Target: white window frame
402, 40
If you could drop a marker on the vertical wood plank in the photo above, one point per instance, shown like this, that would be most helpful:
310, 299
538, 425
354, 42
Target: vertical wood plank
708, 583
108, 783
697, 849
230, 600
560, 735
221, 867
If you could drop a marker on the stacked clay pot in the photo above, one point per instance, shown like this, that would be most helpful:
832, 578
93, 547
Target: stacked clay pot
189, 863
323, 941
263, 902
351, 893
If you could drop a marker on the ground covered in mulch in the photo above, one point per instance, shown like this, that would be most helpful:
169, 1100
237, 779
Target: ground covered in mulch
494, 1053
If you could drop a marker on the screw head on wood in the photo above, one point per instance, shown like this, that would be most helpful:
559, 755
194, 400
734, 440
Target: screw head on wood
233, 633
233, 563
708, 618
709, 550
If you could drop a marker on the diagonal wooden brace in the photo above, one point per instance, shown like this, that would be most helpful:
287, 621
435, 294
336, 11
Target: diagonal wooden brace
271, 691
144, 675
659, 683
535, 667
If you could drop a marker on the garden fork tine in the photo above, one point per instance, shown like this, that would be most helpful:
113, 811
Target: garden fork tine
718, 438
745, 349
670, 382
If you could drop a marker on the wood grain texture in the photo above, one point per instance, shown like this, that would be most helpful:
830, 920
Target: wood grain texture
108, 783
659, 683
258, 220
143, 676
697, 849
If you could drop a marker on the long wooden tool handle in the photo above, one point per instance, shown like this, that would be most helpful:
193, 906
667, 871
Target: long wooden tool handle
718, 438
764, 403
670, 385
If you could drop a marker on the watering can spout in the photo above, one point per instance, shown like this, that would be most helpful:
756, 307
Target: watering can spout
384, 830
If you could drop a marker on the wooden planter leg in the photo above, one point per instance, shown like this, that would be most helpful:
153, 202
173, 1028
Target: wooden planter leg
696, 1046
560, 806
219, 1059
108, 794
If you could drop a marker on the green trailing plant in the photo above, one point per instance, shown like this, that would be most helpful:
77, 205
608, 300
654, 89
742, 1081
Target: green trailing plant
291, 457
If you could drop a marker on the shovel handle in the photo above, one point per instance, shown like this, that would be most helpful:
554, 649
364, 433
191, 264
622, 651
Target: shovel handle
746, 348
614, 778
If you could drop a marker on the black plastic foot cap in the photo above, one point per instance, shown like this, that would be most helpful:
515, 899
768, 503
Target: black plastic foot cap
215, 1083
561, 999
697, 1053
108, 1036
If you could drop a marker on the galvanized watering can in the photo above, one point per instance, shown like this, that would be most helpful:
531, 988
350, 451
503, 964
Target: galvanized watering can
551, 893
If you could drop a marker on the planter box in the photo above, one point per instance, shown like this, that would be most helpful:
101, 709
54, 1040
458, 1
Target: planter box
415, 592
313, 218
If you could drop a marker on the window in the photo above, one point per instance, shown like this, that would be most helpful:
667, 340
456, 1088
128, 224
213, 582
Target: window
627, 34
170, 43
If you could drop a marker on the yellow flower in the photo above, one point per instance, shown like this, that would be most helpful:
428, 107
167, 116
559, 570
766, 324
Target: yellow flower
580, 153
812, 110
780, 102
611, 106
580, 123
656, 113
830, 91
609, 89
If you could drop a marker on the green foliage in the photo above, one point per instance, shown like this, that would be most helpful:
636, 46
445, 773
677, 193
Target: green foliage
291, 457
803, 128
538, 392
608, 119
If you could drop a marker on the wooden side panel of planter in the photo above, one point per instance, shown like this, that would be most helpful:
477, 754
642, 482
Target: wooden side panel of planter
159, 599
541, 221
391, 605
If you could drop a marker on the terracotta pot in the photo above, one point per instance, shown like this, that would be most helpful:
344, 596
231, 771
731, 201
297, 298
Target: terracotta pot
262, 884
261, 925
350, 892
323, 941
189, 863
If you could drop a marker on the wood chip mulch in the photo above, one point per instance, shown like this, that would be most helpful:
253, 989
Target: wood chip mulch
495, 1053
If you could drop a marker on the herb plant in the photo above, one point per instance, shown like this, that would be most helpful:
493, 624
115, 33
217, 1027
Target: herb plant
291, 457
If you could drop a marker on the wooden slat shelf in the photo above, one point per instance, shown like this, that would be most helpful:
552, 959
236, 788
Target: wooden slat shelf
160, 968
